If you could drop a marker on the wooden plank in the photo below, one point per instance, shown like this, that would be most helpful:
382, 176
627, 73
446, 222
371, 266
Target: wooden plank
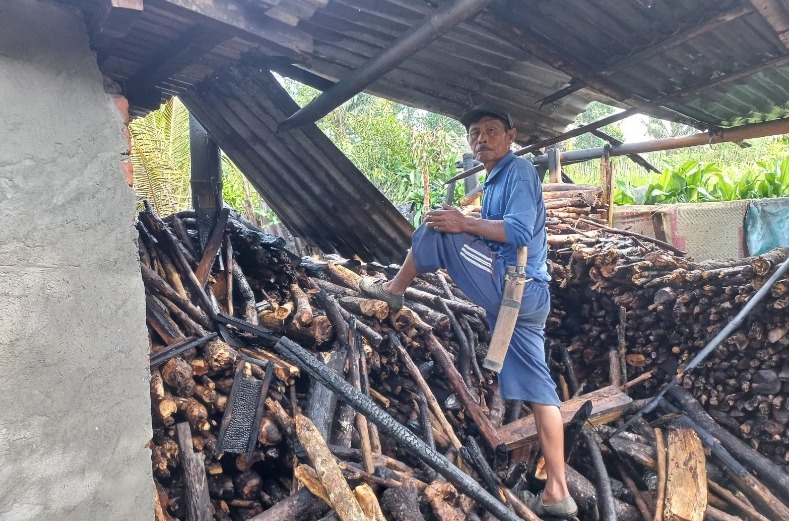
232, 16
686, 477
608, 405
198, 504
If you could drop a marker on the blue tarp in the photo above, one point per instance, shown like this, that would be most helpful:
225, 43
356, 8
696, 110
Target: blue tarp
767, 225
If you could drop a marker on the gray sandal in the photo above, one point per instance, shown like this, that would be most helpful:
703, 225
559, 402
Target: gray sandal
373, 288
564, 509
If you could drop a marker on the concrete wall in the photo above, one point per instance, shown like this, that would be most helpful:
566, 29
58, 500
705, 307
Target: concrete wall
75, 414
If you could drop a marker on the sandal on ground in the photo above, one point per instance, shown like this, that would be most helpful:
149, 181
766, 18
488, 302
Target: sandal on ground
564, 509
373, 288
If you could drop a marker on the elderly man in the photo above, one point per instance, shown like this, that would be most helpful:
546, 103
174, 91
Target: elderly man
476, 253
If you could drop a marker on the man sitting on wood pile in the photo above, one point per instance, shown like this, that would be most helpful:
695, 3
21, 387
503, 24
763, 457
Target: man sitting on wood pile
475, 253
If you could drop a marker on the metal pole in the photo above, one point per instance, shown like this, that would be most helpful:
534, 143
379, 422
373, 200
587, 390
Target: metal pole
754, 130
556, 139
438, 22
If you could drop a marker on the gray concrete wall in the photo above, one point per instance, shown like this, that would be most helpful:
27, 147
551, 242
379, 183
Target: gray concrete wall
74, 413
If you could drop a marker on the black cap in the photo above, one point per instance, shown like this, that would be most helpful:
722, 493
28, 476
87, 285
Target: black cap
486, 109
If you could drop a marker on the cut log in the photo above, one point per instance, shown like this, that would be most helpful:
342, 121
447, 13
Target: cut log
441, 497
301, 505
402, 503
344, 276
338, 491
686, 477
608, 404
369, 502
364, 306
303, 308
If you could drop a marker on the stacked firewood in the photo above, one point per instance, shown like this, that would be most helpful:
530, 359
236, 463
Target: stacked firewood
660, 309
217, 304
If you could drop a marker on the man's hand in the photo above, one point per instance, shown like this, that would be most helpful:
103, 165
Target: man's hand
447, 220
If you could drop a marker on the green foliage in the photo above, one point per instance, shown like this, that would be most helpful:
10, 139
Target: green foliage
594, 112
393, 145
160, 154
695, 181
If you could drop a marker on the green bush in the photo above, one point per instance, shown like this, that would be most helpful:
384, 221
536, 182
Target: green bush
695, 181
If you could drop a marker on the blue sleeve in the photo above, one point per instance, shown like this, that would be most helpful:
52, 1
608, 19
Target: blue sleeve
522, 204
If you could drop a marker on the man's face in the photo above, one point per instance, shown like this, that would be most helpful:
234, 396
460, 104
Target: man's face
489, 140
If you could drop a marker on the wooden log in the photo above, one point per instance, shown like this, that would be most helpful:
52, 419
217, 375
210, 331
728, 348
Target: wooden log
212, 246
455, 304
177, 373
186, 322
157, 284
441, 495
686, 477
744, 506
343, 276
322, 402
364, 306
229, 262
369, 502
455, 381
583, 491
240, 282
339, 493
307, 476
372, 336
426, 391
605, 501
361, 421
219, 355
172, 274
159, 512
608, 404
159, 319
402, 503
303, 504
302, 302
198, 503
718, 515
283, 370
439, 321
767, 471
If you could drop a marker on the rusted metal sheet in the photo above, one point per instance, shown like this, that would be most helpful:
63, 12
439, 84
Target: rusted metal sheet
713, 63
317, 192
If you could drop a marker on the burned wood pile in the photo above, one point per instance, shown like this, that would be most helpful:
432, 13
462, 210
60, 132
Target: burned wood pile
277, 392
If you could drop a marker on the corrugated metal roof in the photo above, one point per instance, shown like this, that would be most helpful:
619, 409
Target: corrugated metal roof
671, 57
307, 180
711, 63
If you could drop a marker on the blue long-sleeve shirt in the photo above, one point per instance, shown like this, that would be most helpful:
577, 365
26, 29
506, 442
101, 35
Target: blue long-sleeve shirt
513, 193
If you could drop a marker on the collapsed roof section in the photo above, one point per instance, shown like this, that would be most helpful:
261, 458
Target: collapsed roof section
304, 177
709, 63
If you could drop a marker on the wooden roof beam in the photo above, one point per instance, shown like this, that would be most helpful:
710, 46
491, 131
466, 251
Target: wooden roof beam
438, 22
777, 15
233, 17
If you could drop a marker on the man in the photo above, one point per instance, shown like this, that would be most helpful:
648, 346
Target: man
476, 253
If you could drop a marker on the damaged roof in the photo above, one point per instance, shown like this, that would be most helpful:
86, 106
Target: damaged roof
709, 63
712, 64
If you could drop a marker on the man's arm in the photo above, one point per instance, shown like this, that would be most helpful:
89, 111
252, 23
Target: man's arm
451, 220
493, 230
